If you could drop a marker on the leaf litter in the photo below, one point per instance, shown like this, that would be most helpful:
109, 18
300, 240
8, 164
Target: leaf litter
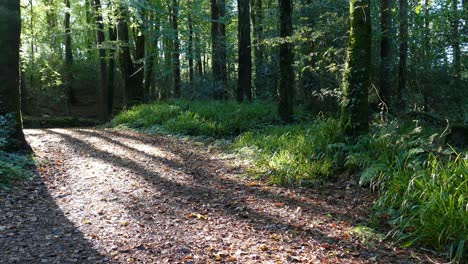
113, 196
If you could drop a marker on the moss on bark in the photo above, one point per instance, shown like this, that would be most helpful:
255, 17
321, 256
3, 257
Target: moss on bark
356, 80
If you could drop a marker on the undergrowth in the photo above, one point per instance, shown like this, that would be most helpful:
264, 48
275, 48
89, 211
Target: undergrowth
12, 165
199, 118
422, 184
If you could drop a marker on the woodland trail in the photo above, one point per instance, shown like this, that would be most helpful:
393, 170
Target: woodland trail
111, 196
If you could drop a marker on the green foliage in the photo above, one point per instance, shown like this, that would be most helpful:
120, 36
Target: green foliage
199, 118
422, 186
12, 166
297, 154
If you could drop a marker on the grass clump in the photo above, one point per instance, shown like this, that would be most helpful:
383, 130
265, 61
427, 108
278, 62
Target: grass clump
199, 118
296, 154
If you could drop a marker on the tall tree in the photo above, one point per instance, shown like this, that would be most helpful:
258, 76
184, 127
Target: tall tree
455, 39
386, 52
176, 51
126, 64
112, 30
286, 84
403, 52
244, 85
190, 54
68, 59
218, 46
258, 38
356, 81
10, 31
100, 38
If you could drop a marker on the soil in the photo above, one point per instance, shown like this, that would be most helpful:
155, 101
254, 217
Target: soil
113, 196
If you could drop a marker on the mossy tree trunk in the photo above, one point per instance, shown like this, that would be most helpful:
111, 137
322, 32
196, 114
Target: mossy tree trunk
10, 31
286, 84
244, 85
356, 81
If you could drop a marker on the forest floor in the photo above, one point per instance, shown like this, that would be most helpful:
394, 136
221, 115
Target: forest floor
112, 196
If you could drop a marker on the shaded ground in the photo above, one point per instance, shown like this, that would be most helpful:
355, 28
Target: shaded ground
125, 197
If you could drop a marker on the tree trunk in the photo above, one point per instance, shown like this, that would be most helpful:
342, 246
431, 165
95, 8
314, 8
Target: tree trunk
176, 51
356, 80
244, 86
403, 16
190, 54
455, 22
110, 80
218, 39
126, 65
68, 60
140, 36
286, 84
100, 37
258, 37
386, 53
10, 103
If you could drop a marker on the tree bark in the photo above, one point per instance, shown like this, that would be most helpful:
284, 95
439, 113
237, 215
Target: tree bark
286, 84
403, 52
100, 37
176, 50
10, 103
218, 39
68, 59
356, 81
190, 54
126, 65
244, 85
259, 53
110, 80
386, 53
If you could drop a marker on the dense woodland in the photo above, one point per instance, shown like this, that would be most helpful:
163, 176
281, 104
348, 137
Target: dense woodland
306, 92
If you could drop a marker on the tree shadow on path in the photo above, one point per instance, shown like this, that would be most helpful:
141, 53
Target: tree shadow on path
214, 194
34, 229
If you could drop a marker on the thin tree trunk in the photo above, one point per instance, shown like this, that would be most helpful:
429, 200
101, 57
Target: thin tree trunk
455, 22
286, 85
110, 80
68, 59
10, 103
244, 85
403, 16
356, 79
190, 48
259, 54
126, 65
176, 51
100, 37
386, 53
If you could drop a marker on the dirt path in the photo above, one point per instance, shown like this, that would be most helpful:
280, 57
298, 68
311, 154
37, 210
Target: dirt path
108, 196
